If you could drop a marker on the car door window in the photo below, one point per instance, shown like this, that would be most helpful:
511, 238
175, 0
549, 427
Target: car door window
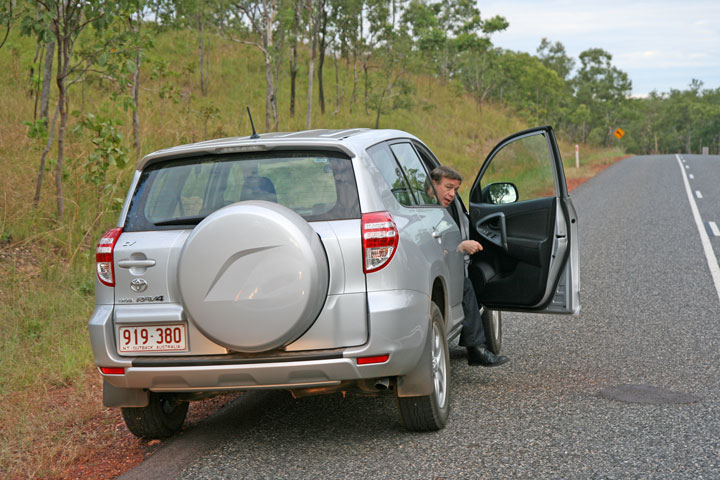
527, 164
390, 171
415, 173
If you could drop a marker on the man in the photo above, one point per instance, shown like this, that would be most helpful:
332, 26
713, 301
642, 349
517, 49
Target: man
446, 181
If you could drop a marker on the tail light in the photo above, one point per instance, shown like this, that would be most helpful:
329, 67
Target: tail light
104, 256
112, 370
380, 240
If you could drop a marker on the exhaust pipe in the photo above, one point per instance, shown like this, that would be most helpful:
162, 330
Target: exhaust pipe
382, 383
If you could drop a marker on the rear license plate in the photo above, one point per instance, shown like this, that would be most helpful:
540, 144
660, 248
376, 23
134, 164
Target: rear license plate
152, 338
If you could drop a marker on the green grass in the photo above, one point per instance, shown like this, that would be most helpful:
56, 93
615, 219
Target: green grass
43, 325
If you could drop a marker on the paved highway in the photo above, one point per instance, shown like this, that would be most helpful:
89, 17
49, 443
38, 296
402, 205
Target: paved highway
649, 332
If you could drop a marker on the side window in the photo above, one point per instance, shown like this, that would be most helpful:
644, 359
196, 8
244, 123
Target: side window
389, 169
416, 174
527, 163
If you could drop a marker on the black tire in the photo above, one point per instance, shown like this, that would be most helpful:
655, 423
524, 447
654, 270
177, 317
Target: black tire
163, 417
492, 323
431, 412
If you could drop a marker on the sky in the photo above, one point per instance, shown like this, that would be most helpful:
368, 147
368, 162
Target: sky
661, 45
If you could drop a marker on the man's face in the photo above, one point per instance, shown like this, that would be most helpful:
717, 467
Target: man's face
446, 189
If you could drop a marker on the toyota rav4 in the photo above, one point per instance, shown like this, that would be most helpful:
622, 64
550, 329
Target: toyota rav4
319, 262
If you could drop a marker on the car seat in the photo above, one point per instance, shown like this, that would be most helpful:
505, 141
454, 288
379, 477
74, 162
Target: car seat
258, 188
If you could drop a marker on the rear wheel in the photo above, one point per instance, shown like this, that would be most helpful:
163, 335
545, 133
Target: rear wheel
431, 412
492, 323
162, 417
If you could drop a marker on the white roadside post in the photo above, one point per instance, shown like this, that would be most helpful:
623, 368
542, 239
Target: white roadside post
577, 156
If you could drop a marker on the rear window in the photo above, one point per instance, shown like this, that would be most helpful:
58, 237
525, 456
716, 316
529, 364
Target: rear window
180, 193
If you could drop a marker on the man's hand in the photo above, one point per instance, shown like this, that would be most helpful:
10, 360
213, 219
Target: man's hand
469, 246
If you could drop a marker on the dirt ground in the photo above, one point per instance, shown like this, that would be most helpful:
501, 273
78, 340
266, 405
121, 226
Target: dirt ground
120, 451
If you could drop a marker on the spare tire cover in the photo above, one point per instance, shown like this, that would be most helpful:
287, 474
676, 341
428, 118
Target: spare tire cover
253, 276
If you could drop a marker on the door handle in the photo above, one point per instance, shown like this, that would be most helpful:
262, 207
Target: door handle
136, 263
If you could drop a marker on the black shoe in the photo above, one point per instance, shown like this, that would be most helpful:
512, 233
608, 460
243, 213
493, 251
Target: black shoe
483, 356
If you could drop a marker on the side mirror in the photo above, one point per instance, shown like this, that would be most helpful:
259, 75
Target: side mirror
500, 193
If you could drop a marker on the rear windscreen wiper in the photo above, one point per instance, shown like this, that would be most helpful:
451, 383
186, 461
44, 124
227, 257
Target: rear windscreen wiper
194, 220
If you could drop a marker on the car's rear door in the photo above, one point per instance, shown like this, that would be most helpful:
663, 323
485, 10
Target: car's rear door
521, 213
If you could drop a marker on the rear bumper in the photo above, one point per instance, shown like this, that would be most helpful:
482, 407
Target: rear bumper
398, 327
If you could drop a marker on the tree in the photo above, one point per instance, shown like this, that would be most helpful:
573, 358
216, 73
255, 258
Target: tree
65, 20
295, 25
531, 87
322, 45
7, 16
553, 56
392, 91
602, 87
315, 9
264, 19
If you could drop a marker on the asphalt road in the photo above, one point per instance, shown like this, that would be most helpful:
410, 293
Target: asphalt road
650, 318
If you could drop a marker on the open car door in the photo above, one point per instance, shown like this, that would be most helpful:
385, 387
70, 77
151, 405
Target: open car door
521, 213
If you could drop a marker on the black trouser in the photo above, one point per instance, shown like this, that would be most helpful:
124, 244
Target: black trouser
473, 332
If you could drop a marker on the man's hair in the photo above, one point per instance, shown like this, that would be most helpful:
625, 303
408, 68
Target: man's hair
444, 171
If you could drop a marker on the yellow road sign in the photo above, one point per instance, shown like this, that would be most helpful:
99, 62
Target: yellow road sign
619, 133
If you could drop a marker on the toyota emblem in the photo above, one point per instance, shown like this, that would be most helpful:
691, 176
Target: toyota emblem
138, 285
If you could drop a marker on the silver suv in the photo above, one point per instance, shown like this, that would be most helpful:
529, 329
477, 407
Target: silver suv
319, 262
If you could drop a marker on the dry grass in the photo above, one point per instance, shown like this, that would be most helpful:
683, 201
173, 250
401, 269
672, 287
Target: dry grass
43, 427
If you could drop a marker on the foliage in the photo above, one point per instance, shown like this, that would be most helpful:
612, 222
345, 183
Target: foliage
108, 146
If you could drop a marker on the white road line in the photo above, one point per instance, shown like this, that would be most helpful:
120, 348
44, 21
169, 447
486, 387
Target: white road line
687, 167
698, 194
714, 228
704, 239
692, 177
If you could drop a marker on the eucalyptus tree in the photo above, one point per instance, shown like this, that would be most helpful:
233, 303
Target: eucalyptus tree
348, 18
261, 24
198, 15
531, 87
554, 56
296, 24
65, 20
8, 15
315, 12
476, 55
391, 90
603, 88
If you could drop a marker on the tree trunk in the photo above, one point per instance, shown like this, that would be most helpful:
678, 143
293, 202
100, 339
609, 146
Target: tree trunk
353, 97
63, 60
33, 92
321, 61
311, 63
379, 110
269, 92
135, 28
339, 93
41, 171
365, 69
136, 103
270, 112
656, 143
201, 49
294, 55
47, 78
293, 76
